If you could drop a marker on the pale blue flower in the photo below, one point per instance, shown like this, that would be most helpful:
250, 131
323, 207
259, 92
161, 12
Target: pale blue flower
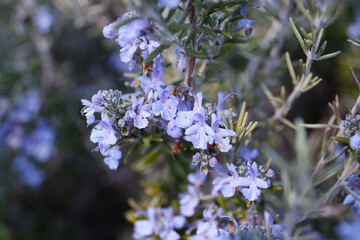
160, 222
150, 83
247, 25
139, 113
112, 157
207, 228
158, 68
348, 230
173, 130
186, 118
248, 155
144, 228
200, 133
190, 199
276, 229
354, 184
27, 107
43, 19
167, 104
170, 223
226, 183
170, 3
103, 133
127, 52
222, 135
40, 143
251, 183
29, 173
148, 46
355, 142
221, 102
131, 31
110, 31
95, 106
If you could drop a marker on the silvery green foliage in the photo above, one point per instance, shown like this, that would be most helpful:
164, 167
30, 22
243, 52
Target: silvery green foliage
162, 114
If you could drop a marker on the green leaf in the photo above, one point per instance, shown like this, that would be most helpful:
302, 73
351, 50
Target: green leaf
223, 33
298, 36
196, 54
175, 27
157, 51
330, 55
207, 31
341, 139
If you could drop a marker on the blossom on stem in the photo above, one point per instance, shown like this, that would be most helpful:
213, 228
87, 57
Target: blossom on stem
248, 155
139, 113
167, 104
200, 133
354, 184
95, 106
103, 133
222, 135
251, 183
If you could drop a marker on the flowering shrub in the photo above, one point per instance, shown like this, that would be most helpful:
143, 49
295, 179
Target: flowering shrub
162, 114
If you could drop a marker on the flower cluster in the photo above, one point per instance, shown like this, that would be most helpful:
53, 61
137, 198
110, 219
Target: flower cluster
160, 222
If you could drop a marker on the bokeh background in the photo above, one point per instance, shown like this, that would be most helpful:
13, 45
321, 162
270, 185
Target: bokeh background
52, 55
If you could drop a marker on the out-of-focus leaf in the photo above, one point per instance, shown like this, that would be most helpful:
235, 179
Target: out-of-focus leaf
196, 54
156, 52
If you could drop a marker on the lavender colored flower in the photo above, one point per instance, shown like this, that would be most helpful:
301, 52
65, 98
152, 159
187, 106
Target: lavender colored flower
276, 229
248, 155
127, 52
251, 183
207, 227
225, 184
200, 133
190, 199
167, 104
110, 31
354, 184
43, 19
173, 130
40, 144
161, 222
222, 135
171, 222
14, 135
221, 100
27, 107
148, 46
103, 133
112, 157
170, 3
131, 31
355, 142
95, 106
139, 113
348, 230
158, 68
28, 172
151, 83
247, 25
186, 118
144, 228
353, 31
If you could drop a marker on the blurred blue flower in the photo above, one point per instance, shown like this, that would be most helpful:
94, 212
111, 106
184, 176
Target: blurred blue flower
40, 144
200, 133
355, 142
43, 19
354, 184
112, 157
248, 155
170, 3
29, 173
148, 46
226, 183
349, 230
